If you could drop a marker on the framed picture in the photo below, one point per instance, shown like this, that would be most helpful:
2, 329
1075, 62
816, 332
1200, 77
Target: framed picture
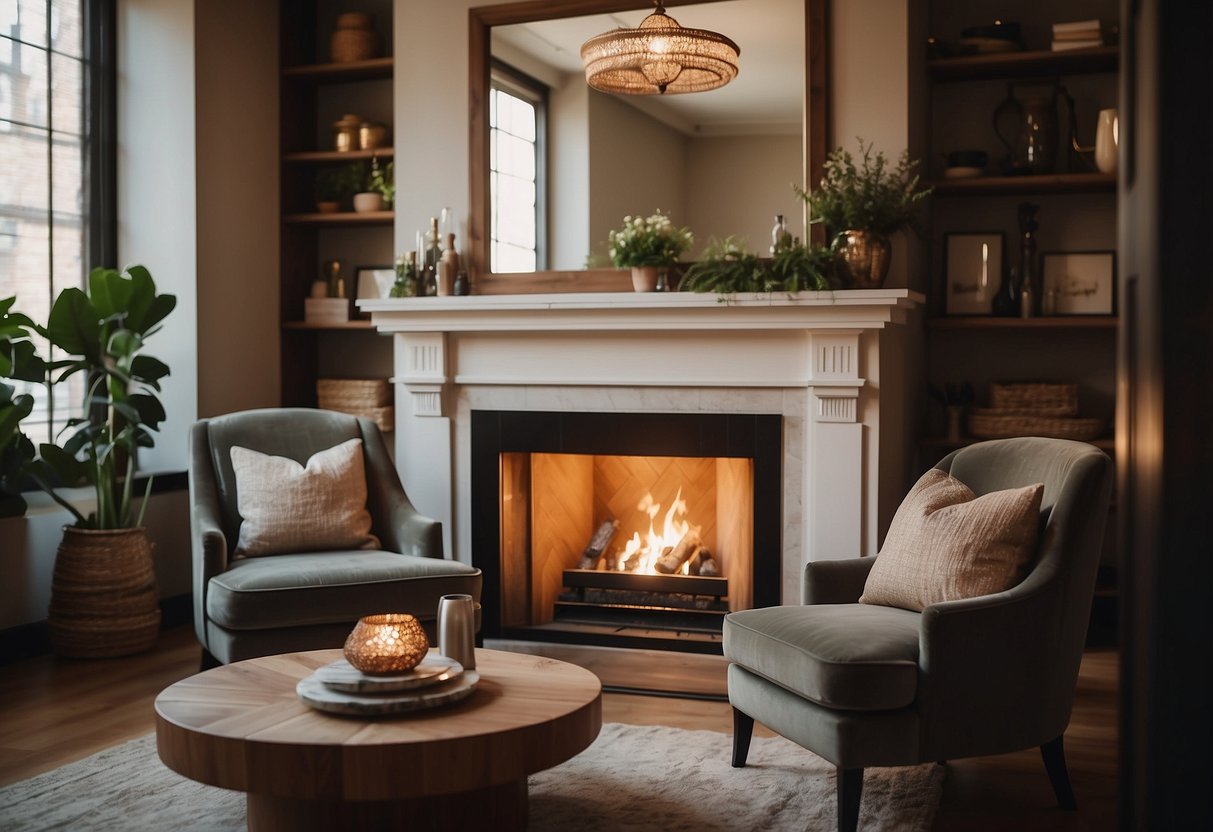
1078, 282
372, 282
973, 263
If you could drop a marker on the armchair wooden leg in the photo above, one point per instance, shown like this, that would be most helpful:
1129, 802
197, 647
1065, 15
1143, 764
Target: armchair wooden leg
1055, 764
850, 789
743, 730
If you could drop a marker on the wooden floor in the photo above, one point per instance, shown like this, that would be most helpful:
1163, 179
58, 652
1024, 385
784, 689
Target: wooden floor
57, 710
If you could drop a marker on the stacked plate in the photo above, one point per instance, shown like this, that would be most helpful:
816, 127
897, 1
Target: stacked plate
340, 688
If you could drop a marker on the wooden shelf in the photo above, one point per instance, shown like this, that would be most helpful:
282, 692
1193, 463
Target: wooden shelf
1048, 322
1025, 64
1050, 183
341, 218
356, 324
942, 442
374, 69
325, 157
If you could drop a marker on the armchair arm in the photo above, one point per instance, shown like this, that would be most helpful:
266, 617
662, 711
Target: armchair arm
412, 533
835, 581
208, 543
984, 658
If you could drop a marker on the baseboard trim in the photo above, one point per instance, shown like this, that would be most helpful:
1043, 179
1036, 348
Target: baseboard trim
27, 641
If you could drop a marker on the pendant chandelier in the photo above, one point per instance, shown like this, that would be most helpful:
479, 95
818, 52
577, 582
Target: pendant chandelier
659, 57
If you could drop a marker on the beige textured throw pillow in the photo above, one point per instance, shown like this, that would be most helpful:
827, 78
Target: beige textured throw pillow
287, 507
947, 543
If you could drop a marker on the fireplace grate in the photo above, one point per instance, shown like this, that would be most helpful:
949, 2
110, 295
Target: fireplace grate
673, 602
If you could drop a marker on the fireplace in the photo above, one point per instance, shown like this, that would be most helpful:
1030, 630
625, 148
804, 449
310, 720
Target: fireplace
812, 388
624, 529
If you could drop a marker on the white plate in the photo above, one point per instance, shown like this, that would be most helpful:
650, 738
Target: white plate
323, 698
434, 669
961, 172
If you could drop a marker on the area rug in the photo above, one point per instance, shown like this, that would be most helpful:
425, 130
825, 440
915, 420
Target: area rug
632, 778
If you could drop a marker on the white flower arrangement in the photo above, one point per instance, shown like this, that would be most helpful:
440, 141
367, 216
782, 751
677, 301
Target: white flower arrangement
648, 241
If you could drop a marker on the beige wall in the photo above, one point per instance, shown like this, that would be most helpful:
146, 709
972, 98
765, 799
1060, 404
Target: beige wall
737, 184
237, 232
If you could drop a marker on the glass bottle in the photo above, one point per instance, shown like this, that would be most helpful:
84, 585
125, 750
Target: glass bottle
433, 254
780, 238
1006, 302
1029, 280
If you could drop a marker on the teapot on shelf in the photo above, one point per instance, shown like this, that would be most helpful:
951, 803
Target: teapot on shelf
1027, 127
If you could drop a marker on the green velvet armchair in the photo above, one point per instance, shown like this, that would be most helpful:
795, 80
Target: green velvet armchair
256, 606
866, 685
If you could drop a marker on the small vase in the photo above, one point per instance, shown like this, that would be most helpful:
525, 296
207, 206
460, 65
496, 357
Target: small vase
865, 257
368, 202
354, 39
644, 278
1107, 140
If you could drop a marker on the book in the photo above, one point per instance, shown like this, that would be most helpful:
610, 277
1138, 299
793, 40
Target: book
1077, 26
1066, 45
1084, 34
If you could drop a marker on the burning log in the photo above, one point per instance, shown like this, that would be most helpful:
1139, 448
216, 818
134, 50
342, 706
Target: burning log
597, 545
632, 562
671, 563
709, 567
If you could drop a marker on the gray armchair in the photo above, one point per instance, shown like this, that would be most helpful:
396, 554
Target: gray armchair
864, 685
257, 606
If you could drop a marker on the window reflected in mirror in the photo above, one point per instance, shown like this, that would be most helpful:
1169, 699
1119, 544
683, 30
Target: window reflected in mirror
517, 119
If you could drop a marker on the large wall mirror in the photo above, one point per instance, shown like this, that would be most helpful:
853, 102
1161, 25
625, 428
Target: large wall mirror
721, 162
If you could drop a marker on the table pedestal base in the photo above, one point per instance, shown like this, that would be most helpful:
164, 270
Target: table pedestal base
502, 807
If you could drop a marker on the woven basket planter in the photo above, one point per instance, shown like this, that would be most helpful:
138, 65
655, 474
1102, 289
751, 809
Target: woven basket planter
1044, 399
104, 600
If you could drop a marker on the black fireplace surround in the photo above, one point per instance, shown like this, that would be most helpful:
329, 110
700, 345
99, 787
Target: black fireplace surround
757, 437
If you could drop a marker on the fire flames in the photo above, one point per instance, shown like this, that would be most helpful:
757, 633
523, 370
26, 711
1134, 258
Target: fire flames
639, 554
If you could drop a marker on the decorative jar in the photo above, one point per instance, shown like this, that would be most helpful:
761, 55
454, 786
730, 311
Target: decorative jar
354, 39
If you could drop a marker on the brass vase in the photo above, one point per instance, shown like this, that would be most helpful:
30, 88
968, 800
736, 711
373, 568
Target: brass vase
865, 257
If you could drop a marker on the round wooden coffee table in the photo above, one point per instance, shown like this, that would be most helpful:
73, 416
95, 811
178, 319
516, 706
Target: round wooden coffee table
242, 727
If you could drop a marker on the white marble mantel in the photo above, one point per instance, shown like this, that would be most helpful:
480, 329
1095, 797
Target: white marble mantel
813, 357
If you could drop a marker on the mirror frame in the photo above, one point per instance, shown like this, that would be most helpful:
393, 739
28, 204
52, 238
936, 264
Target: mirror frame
482, 19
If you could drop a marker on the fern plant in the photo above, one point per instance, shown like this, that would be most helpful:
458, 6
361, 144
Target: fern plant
727, 268
870, 196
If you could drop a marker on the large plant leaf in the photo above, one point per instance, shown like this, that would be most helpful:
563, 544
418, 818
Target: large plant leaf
161, 306
69, 470
143, 296
150, 410
149, 370
110, 292
74, 325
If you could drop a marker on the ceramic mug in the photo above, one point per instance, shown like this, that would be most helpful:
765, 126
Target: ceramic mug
457, 629
1107, 140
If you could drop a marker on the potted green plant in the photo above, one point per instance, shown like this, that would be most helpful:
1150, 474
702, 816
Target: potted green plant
727, 268
335, 184
862, 205
18, 360
377, 189
647, 244
104, 600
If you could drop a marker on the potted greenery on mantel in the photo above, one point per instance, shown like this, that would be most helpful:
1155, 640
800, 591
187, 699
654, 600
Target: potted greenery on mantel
104, 600
861, 206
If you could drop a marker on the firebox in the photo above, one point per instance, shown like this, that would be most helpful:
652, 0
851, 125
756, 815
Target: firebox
624, 529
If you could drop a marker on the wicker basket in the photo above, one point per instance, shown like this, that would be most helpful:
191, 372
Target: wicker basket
354, 39
342, 393
104, 600
994, 423
368, 397
1038, 398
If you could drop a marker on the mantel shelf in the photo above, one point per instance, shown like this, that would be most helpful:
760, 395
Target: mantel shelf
374, 69
1025, 64
341, 218
1047, 322
356, 324
1050, 183
324, 157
